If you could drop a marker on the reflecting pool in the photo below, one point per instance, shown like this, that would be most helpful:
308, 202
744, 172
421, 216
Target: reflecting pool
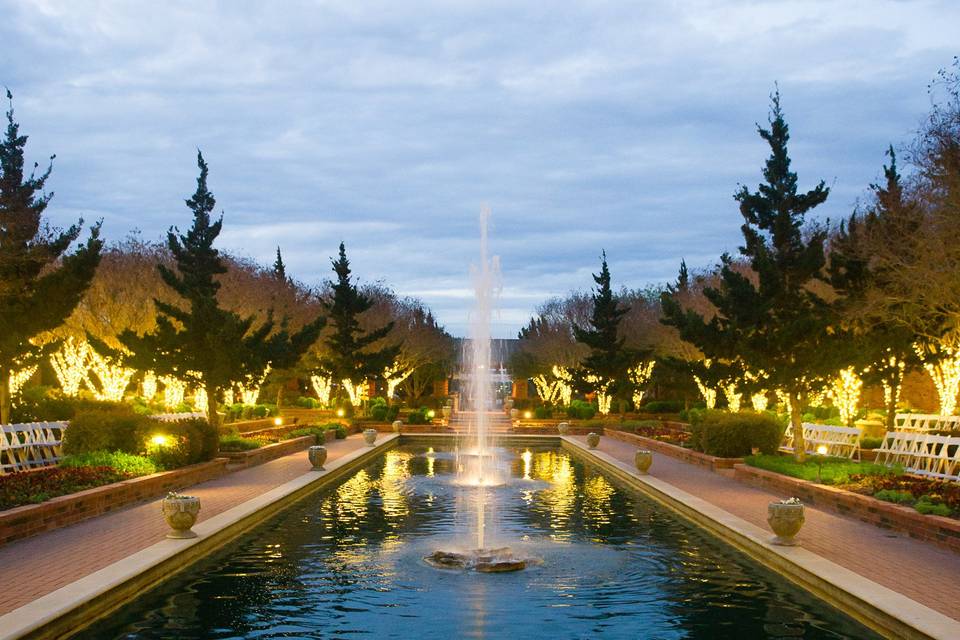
348, 562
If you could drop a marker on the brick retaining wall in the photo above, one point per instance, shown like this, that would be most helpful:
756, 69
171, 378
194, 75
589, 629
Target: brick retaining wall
244, 459
62, 511
687, 455
942, 531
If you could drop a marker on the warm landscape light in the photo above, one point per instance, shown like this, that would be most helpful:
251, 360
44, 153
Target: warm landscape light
278, 421
431, 414
527, 415
340, 413
159, 440
822, 450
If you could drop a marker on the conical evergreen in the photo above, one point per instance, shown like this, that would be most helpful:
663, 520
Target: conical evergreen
350, 353
40, 283
198, 341
780, 324
609, 359
279, 269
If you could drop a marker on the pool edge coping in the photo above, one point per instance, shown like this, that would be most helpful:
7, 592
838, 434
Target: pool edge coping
880, 608
75, 606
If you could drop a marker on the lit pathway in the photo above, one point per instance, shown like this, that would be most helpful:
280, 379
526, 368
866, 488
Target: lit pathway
36, 566
920, 571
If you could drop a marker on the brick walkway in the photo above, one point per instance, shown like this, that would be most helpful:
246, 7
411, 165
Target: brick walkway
920, 571
37, 566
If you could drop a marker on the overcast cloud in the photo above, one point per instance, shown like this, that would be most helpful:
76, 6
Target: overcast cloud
584, 126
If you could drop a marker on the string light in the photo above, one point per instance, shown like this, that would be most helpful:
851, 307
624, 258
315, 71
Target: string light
394, 375
357, 392
19, 378
228, 396
564, 383
709, 395
784, 400
640, 376
946, 376
759, 401
148, 388
322, 386
733, 398
173, 391
70, 364
844, 391
250, 392
604, 400
200, 398
113, 378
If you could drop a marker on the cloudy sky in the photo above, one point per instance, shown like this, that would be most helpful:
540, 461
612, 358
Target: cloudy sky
584, 126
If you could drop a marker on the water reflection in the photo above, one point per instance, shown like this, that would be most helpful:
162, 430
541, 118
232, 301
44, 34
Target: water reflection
347, 561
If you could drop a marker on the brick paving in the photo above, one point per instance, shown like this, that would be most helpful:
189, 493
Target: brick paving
36, 566
922, 572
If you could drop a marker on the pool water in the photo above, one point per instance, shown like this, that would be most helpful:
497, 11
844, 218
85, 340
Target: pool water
347, 561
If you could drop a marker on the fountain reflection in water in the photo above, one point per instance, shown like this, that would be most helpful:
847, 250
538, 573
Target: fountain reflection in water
477, 461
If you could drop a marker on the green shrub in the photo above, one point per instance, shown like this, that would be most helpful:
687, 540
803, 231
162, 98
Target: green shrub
871, 443
118, 428
125, 463
382, 412
318, 433
46, 404
892, 495
418, 417
929, 505
662, 406
733, 435
522, 404
236, 442
190, 441
544, 412
580, 410
341, 431
307, 403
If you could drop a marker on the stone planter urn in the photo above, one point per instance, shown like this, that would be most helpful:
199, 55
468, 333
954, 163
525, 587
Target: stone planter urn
370, 436
181, 514
785, 518
593, 439
397, 425
514, 414
563, 428
643, 459
446, 411
317, 455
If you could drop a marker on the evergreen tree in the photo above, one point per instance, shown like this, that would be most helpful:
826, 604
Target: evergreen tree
609, 359
279, 269
350, 353
883, 349
40, 284
779, 325
198, 341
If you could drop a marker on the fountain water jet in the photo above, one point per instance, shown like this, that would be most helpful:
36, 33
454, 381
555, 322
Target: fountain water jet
477, 463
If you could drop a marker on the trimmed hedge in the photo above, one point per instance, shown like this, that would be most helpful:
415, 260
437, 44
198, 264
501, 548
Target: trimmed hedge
734, 435
117, 428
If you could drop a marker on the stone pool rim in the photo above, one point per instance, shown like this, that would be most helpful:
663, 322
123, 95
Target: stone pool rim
71, 608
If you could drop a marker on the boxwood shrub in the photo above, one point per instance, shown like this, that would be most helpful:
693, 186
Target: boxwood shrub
734, 435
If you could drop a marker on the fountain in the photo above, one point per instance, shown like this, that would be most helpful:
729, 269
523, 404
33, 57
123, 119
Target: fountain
477, 462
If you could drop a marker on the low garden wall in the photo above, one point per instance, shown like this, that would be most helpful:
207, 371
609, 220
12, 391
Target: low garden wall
28, 520
551, 430
687, 455
266, 453
939, 530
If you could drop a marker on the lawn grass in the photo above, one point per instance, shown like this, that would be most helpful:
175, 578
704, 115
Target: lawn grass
834, 470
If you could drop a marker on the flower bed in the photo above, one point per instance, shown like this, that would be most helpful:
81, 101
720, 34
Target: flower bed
64, 510
34, 487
